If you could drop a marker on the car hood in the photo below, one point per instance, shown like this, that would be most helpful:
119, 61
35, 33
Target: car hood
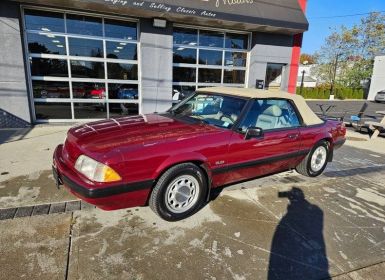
133, 132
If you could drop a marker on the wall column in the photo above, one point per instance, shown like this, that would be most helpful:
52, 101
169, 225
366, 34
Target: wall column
296, 53
156, 67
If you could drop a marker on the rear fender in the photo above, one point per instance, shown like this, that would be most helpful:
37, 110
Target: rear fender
328, 137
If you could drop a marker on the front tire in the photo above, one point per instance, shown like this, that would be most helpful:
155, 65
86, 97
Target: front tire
179, 192
316, 160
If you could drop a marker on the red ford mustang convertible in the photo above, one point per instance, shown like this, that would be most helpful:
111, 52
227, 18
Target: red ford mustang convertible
170, 161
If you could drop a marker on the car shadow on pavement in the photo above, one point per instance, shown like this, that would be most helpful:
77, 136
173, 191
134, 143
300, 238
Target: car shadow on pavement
298, 247
354, 171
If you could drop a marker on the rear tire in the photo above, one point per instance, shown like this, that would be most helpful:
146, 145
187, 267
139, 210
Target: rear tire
316, 160
179, 192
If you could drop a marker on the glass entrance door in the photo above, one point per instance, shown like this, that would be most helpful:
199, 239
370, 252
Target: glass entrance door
274, 72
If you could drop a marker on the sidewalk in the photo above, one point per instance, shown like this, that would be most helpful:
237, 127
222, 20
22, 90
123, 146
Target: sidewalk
25, 166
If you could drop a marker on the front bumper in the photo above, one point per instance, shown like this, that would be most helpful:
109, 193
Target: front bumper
104, 196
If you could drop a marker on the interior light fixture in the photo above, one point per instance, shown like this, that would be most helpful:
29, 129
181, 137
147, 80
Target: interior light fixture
45, 29
60, 46
56, 41
160, 23
123, 44
50, 36
119, 48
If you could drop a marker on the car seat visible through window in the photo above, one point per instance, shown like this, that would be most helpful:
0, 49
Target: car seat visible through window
270, 118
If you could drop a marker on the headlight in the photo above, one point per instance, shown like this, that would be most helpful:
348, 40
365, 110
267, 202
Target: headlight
96, 171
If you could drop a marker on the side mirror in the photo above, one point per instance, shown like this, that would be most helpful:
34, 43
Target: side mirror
254, 132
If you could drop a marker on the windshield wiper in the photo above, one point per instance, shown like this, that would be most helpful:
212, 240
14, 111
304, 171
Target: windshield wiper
201, 119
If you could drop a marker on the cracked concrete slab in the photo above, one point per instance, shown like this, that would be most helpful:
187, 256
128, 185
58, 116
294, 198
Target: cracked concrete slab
280, 227
34, 247
29, 190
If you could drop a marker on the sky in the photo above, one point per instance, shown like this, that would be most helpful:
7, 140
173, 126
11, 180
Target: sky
320, 28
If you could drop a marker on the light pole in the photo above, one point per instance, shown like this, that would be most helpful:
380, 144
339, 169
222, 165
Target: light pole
302, 80
303, 77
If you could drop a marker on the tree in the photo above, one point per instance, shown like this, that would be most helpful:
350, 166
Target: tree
347, 56
307, 59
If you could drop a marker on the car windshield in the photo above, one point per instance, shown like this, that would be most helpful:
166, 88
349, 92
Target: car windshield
219, 110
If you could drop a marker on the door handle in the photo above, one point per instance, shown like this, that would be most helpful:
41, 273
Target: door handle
293, 136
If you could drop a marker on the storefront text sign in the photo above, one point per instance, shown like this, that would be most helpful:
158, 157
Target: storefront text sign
255, 13
161, 7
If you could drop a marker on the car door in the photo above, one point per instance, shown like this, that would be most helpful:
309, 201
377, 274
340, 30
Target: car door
276, 150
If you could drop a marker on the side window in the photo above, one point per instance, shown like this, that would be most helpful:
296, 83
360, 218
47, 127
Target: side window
270, 114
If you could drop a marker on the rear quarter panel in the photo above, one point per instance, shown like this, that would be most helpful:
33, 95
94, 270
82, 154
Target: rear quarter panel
330, 130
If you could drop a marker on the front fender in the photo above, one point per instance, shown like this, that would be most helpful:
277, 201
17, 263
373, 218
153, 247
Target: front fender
180, 158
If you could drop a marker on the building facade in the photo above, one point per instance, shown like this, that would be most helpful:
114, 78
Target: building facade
75, 60
377, 82
305, 75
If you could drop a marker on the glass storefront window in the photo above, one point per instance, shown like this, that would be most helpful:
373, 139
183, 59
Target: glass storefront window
85, 25
90, 110
48, 67
123, 91
48, 89
87, 69
123, 109
211, 39
236, 59
44, 21
120, 29
121, 50
185, 36
120, 71
88, 90
82, 90
217, 63
208, 57
184, 74
234, 76
46, 43
236, 41
184, 55
85, 47
46, 111
209, 75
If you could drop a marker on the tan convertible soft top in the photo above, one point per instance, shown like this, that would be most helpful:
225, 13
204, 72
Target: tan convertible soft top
308, 116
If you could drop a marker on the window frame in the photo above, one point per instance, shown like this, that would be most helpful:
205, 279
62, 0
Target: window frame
194, 120
105, 80
250, 105
222, 49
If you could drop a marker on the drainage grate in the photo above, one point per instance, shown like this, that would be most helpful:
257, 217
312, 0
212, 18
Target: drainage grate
44, 209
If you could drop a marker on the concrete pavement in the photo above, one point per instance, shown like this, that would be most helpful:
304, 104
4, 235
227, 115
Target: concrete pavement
280, 227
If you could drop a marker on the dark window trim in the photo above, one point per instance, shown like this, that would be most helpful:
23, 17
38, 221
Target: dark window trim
207, 93
251, 100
